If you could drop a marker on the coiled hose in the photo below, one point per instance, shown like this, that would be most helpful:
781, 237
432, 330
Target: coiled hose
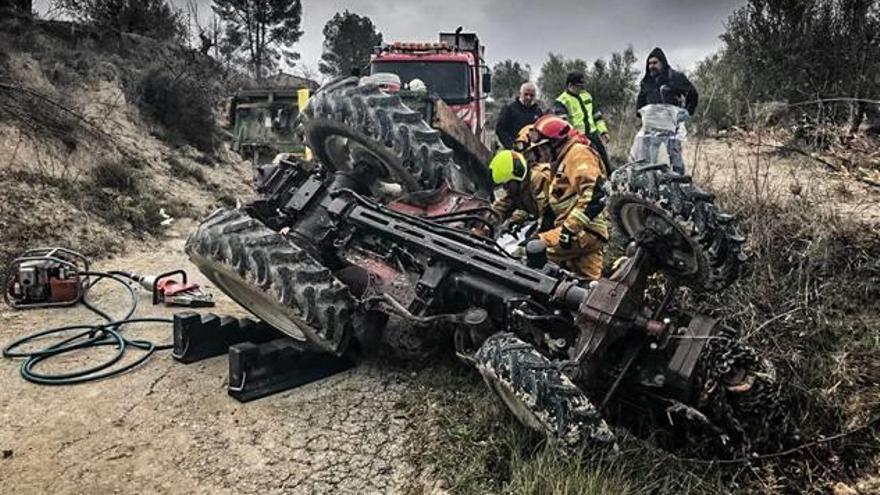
93, 335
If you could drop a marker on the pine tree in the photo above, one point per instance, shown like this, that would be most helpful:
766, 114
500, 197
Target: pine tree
264, 31
348, 42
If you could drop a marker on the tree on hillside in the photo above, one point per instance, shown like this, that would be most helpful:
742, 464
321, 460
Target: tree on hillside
155, 18
262, 31
507, 77
348, 42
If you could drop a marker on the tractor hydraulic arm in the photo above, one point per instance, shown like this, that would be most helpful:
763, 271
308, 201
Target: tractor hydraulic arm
461, 251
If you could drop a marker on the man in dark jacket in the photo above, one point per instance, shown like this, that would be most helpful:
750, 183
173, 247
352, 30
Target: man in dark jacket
661, 84
519, 113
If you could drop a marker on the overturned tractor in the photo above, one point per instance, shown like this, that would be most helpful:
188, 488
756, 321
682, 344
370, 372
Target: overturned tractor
331, 250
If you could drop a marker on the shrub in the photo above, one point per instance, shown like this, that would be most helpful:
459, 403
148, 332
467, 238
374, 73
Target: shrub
227, 200
182, 102
795, 52
116, 175
154, 18
183, 170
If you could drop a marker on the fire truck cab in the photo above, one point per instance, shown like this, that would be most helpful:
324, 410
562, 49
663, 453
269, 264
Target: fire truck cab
453, 68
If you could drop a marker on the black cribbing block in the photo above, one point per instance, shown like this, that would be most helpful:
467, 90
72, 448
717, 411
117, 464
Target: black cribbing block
200, 336
258, 370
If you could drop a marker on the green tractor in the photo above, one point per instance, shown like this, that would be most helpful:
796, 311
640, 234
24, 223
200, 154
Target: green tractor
264, 122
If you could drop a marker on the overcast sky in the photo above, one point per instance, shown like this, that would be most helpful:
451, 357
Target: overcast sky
525, 30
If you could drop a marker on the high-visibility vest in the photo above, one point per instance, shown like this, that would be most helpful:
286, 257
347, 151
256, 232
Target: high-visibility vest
580, 112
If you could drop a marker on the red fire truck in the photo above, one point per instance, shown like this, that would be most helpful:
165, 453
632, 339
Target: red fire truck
453, 68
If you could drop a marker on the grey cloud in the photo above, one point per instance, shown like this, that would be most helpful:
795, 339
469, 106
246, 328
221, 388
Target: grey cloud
526, 30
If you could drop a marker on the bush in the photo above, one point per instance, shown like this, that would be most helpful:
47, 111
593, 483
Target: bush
792, 52
153, 18
135, 213
723, 102
182, 102
141, 213
116, 175
227, 200
185, 171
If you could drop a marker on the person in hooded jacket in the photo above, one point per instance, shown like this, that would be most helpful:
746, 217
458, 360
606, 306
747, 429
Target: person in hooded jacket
662, 84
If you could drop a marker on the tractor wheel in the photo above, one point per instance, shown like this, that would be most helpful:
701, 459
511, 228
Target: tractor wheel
273, 279
538, 394
739, 394
687, 235
350, 126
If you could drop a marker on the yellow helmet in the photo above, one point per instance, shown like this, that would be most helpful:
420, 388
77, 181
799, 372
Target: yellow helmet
508, 165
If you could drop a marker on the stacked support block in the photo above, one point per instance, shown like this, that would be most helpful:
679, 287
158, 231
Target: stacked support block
262, 360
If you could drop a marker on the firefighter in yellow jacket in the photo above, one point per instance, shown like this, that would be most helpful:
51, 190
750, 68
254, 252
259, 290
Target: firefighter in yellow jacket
526, 187
575, 196
524, 138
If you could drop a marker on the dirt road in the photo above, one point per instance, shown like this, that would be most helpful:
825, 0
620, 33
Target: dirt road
761, 172
171, 428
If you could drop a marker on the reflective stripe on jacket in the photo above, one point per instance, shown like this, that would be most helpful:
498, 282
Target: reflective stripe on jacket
578, 171
575, 106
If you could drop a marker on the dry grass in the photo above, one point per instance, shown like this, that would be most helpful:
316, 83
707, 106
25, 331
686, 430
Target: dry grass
811, 301
185, 171
466, 437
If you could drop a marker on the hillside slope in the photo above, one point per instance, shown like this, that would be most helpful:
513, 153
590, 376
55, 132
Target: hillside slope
82, 162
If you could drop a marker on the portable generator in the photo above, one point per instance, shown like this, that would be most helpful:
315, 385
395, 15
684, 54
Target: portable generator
46, 277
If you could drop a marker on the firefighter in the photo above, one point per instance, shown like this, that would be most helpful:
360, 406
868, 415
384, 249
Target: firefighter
580, 230
575, 104
524, 138
526, 188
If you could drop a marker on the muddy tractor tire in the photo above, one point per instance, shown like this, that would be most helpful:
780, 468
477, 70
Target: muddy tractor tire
347, 123
539, 395
273, 279
740, 394
686, 234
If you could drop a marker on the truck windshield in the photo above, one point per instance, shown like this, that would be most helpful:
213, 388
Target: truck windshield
447, 79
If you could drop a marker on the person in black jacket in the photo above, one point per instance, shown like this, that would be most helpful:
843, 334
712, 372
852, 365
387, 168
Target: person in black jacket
521, 112
662, 84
